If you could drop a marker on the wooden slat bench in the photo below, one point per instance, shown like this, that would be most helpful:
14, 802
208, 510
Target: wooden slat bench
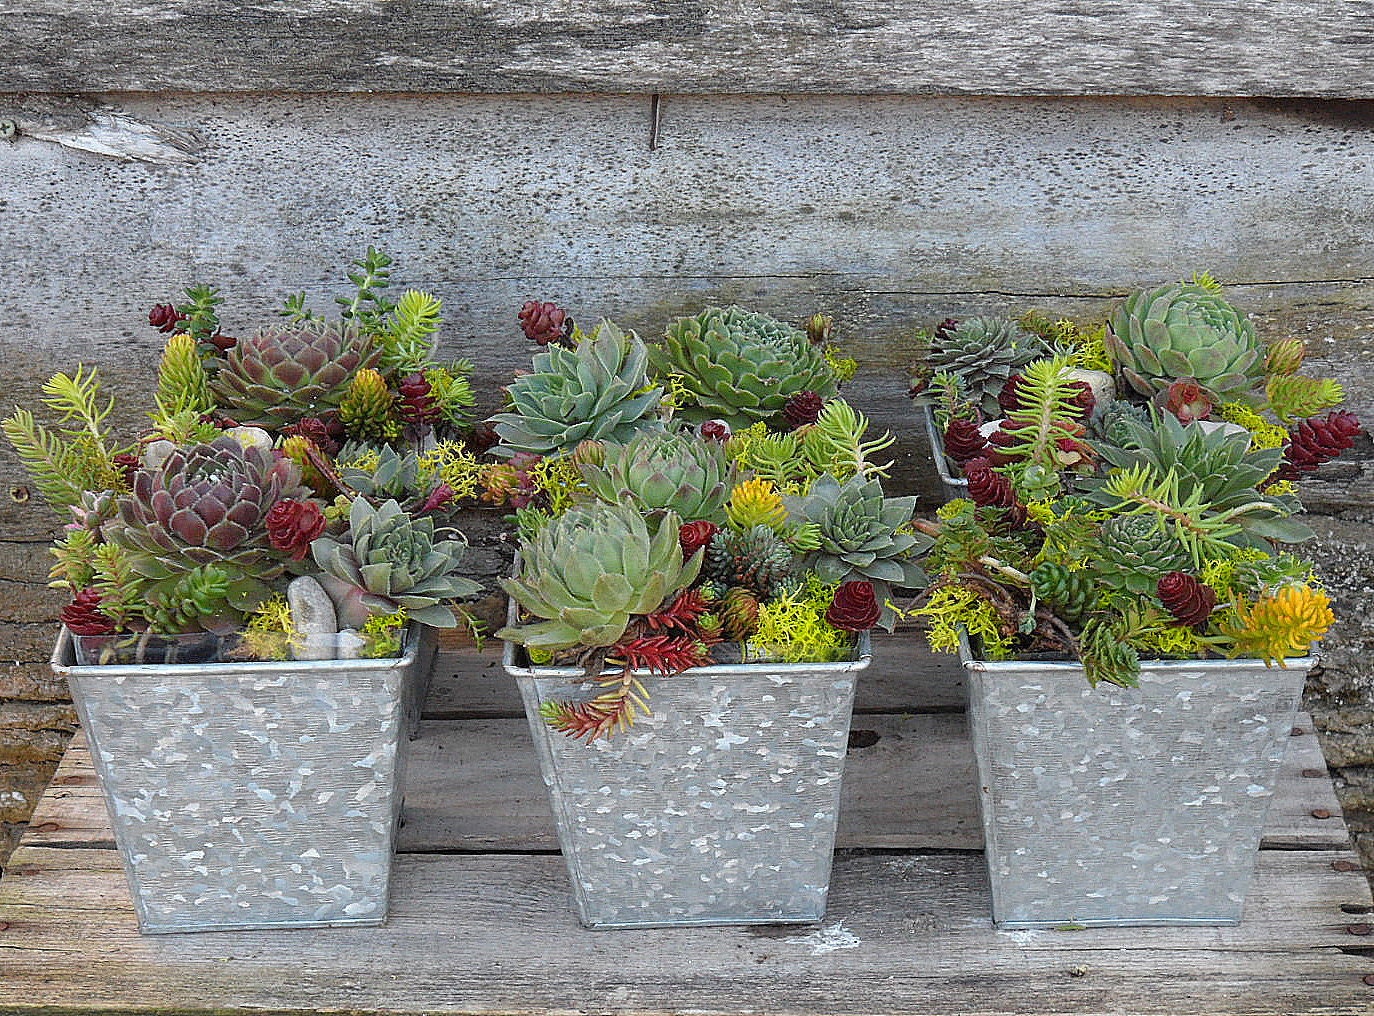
480, 921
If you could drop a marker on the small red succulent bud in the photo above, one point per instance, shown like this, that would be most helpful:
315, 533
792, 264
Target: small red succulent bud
715, 430
1187, 400
988, 488
818, 328
964, 441
854, 607
128, 465
545, 322
998, 440
1187, 599
802, 408
695, 535
320, 434
945, 327
438, 497
83, 615
480, 438
165, 318
223, 342
1009, 398
292, 525
417, 404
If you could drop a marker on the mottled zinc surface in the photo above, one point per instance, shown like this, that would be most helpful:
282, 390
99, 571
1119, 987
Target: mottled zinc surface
1127, 806
247, 798
718, 808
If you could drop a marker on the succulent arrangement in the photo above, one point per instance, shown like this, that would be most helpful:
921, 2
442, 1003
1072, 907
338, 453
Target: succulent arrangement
732, 510
1131, 487
293, 483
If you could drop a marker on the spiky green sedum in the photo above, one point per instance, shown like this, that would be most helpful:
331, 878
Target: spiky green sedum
739, 365
596, 391
391, 560
183, 386
588, 571
660, 471
863, 535
1185, 330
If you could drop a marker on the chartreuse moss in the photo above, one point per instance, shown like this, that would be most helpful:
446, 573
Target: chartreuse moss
793, 629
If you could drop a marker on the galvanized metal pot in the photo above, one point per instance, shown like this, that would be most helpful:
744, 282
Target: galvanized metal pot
1113, 806
250, 795
952, 486
719, 808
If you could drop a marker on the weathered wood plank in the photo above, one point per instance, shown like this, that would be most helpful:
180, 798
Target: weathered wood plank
903, 212
988, 46
494, 934
474, 785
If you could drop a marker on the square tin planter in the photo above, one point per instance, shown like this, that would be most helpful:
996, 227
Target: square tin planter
1127, 806
250, 795
719, 807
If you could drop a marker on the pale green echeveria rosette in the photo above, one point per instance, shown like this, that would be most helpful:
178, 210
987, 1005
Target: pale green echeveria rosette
738, 365
596, 391
863, 536
390, 560
1184, 330
658, 472
587, 572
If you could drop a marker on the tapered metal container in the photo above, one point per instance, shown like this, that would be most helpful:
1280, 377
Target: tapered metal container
250, 795
718, 808
952, 486
1114, 806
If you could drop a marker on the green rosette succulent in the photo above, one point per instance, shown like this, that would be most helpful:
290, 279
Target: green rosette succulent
863, 535
588, 571
391, 560
740, 365
984, 352
288, 372
207, 505
596, 391
1185, 330
663, 471
1135, 553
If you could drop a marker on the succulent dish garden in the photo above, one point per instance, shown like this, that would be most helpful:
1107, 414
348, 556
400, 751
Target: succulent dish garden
1130, 486
705, 498
295, 483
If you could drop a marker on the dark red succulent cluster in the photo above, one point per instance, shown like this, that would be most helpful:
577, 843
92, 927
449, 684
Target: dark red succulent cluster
165, 318
325, 436
988, 488
292, 525
1188, 400
855, 607
1318, 440
802, 408
1189, 600
964, 441
545, 322
416, 401
83, 615
715, 430
695, 535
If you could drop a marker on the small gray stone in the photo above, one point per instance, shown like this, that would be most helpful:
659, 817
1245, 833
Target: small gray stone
312, 614
350, 644
156, 453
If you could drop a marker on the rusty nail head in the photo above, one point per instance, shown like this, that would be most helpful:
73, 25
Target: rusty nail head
1298, 732
1344, 865
4, 925
1359, 929
1320, 813
1313, 774
1369, 979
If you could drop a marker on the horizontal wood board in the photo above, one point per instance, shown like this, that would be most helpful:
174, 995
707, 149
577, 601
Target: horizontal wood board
494, 934
891, 213
976, 46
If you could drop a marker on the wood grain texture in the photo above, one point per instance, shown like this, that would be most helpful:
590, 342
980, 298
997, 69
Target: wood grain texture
977, 47
891, 213
494, 934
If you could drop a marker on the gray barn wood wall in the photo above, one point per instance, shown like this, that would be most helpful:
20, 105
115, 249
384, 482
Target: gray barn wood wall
893, 164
